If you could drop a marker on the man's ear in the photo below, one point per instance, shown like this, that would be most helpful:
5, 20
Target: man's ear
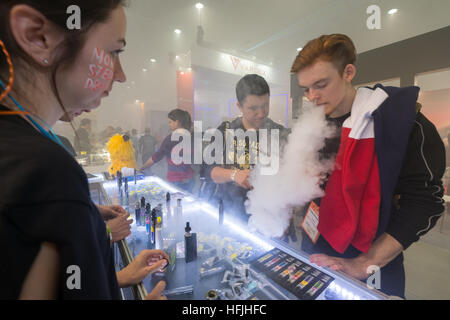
349, 72
35, 34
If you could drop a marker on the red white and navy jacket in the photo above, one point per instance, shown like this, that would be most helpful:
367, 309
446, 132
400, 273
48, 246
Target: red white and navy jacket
388, 171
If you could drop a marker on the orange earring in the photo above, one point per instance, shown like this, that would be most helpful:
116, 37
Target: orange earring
11, 72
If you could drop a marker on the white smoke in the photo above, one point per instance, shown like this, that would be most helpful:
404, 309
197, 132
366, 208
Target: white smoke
299, 178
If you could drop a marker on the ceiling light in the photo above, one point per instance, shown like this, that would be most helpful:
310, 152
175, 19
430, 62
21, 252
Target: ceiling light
199, 5
299, 49
137, 101
177, 57
177, 31
153, 60
182, 73
145, 70
392, 11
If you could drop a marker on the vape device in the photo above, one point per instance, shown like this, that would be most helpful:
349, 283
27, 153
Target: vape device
190, 244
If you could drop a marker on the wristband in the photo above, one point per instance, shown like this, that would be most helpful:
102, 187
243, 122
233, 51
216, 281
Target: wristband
108, 233
233, 175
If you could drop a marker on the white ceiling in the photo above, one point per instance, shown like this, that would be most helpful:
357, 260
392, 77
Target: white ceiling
272, 30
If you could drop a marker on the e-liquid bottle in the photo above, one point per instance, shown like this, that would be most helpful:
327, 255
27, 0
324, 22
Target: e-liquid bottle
168, 207
147, 224
160, 213
137, 213
190, 244
158, 235
154, 217
119, 179
147, 214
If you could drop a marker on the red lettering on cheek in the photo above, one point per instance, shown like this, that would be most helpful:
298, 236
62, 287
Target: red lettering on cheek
107, 74
100, 71
98, 85
92, 69
89, 83
99, 55
108, 61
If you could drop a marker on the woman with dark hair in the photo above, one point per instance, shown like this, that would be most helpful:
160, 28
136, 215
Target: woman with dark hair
181, 174
54, 242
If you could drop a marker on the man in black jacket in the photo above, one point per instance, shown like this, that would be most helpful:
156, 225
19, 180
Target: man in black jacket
410, 160
253, 95
82, 141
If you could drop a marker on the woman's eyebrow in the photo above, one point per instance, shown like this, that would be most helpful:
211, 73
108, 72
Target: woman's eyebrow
122, 41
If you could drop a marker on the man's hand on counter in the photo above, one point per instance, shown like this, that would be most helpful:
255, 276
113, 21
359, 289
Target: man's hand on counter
355, 268
385, 249
146, 263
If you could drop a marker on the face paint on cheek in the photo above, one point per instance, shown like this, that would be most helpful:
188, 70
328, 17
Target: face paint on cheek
101, 71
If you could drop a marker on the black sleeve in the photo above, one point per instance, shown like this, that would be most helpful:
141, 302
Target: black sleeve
47, 200
419, 189
206, 168
80, 236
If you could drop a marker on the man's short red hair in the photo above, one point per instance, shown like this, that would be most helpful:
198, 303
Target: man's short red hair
335, 48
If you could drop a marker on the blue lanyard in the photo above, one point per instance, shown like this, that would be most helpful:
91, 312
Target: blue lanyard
52, 135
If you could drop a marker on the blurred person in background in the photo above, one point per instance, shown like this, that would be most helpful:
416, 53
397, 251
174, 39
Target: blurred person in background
182, 174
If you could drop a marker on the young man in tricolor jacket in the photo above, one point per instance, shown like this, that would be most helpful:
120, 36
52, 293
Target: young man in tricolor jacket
385, 191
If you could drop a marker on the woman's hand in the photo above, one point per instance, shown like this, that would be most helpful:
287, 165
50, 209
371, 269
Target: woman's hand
111, 212
156, 293
120, 227
146, 263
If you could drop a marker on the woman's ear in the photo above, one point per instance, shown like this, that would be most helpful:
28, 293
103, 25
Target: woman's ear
35, 34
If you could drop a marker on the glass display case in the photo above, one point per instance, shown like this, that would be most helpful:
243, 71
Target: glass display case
230, 263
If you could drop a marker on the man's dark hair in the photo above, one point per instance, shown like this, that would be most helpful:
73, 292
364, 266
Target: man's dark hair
251, 84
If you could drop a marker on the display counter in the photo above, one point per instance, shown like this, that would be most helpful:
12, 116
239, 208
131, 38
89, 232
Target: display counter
232, 263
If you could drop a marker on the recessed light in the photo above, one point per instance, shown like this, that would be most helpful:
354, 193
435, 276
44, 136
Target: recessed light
177, 31
137, 101
152, 60
145, 70
299, 49
177, 57
393, 11
199, 5
182, 73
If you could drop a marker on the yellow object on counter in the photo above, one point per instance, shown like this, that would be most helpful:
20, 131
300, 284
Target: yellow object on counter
121, 153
